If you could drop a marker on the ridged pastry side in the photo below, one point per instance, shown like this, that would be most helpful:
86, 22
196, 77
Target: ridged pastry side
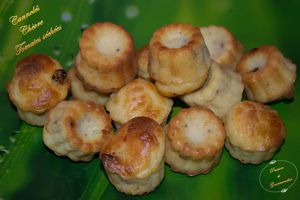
194, 141
31, 118
77, 129
179, 59
222, 89
267, 74
138, 98
253, 132
188, 166
138, 186
108, 82
246, 157
142, 60
134, 158
79, 92
223, 47
38, 84
107, 53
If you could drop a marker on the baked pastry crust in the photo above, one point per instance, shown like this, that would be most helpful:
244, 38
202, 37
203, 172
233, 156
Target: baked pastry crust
81, 93
77, 129
37, 85
254, 132
267, 74
105, 62
142, 61
223, 47
31, 118
138, 98
194, 142
134, 158
222, 89
179, 59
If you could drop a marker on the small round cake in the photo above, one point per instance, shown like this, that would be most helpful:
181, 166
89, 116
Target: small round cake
179, 59
38, 84
105, 62
194, 141
77, 129
134, 158
138, 98
79, 92
223, 47
142, 62
222, 89
267, 74
254, 132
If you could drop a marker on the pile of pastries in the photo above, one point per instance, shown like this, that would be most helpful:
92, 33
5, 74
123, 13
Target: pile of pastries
121, 99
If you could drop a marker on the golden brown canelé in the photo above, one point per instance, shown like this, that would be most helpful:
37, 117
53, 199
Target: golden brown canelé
267, 74
77, 129
138, 98
254, 132
134, 157
105, 61
194, 141
223, 47
179, 59
222, 89
79, 92
142, 62
37, 85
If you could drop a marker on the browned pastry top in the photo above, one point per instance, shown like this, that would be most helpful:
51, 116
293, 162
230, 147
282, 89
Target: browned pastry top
196, 132
38, 84
106, 46
254, 127
137, 150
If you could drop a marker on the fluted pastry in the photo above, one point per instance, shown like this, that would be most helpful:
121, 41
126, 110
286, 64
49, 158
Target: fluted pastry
267, 74
142, 62
254, 132
38, 84
222, 89
134, 158
77, 129
194, 141
105, 62
223, 47
81, 93
179, 59
138, 98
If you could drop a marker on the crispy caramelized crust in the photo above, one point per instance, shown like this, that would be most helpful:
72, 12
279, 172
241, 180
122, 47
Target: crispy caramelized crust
106, 57
77, 129
139, 98
254, 127
223, 47
136, 151
81, 93
267, 75
222, 89
38, 84
179, 59
142, 62
196, 133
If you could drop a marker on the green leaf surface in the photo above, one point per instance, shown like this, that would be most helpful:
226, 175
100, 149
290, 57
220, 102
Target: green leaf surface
28, 170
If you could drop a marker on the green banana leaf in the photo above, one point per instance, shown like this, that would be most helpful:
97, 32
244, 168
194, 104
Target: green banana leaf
28, 170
